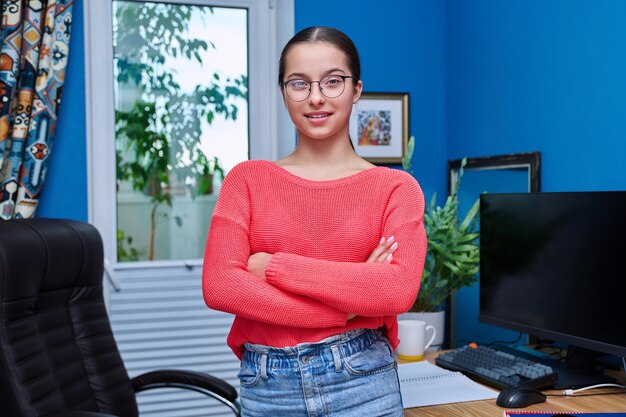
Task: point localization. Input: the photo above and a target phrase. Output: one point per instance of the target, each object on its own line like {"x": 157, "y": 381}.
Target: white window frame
{"x": 271, "y": 135}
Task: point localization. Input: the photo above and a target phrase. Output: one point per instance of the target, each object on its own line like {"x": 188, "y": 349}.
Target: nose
{"x": 315, "y": 95}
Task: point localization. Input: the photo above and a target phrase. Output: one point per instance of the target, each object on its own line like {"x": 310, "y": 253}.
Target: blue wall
{"x": 65, "y": 191}
{"x": 402, "y": 49}
{"x": 544, "y": 75}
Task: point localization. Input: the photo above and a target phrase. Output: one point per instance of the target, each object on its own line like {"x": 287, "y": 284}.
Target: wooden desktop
{"x": 488, "y": 408}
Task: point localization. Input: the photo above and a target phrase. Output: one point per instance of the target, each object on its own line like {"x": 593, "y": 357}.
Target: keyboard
{"x": 496, "y": 368}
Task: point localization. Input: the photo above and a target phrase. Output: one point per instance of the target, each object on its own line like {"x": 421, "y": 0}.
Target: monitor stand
{"x": 580, "y": 368}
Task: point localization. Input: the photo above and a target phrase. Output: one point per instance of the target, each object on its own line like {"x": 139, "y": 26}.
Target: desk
{"x": 488, "y": 408}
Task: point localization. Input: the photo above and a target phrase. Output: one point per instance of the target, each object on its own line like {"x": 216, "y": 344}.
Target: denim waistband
{"x": 347, "y": 343}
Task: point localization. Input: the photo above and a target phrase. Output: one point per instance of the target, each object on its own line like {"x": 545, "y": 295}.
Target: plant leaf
{"x": 470, "y": 216}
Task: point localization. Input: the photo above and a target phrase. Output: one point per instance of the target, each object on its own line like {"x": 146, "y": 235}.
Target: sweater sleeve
{"x": 228, "y": 286}
{"x": 365, "y": 289}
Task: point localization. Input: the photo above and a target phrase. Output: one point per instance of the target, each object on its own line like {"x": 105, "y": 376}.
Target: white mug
{"x": 412, "y": 334}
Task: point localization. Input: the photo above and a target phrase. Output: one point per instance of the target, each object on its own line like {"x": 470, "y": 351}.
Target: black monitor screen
{"x": 554, "y": 265}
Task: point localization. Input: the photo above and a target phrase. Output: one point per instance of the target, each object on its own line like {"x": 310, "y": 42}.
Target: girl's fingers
{"x": 393, "y": 247}
{"x": 384, "y": 251}
{"x": 378, "y": 251}
{"x": 388, "y": 255}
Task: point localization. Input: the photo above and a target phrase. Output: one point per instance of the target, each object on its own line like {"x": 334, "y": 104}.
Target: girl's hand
{"x": 383, "y": 253}
{"x": 257, "y": 263}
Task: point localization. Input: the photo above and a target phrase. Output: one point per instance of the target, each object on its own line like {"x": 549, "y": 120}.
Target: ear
{"x": 358, "y": 89}
{"x": 282, "y": 93}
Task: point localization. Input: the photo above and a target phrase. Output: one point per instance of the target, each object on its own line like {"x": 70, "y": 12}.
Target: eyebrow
{"x": 303, "y": 75}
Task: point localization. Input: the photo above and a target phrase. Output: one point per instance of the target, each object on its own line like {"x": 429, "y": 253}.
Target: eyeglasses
{"x": 331, "y": 86}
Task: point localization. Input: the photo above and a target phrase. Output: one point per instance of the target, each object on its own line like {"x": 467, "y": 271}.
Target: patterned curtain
{"x": 35, "y": 36}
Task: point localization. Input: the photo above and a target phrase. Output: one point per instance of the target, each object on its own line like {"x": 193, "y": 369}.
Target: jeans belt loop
{"x": 336, "y": 357}
{"x": 264, "y": 366}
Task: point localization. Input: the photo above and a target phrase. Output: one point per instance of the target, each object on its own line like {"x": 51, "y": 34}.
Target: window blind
{"x": 160, "y": 321}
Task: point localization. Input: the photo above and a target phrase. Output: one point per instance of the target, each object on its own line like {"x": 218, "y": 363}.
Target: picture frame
{"x": 379, "y": 127}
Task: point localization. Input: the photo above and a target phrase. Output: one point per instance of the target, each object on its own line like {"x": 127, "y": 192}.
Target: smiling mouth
{"x": 318, "y": 115}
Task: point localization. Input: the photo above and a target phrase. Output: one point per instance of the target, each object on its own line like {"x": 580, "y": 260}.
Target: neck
{"x": 335, "y": 152}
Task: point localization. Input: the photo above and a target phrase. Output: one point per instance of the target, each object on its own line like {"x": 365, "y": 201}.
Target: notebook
{"x": 515, "y": 413}
{"x": 422, "y": 384}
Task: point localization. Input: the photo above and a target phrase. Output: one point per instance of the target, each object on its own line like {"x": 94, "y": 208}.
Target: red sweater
{"x": 320, "y": 234}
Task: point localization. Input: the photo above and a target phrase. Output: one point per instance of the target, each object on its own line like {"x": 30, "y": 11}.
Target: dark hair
{"x": 324, "y": 34}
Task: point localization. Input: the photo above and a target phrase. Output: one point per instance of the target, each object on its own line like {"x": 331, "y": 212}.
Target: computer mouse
{"x": 519, "y": 396}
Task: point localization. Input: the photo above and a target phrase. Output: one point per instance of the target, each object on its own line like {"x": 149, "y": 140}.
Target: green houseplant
{"x": 452, "y": 259}
{"x": 205, "y": 170}
{"x": 149, "y": 171}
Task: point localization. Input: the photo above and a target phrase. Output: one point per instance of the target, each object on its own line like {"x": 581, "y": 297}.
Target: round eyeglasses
{"x": 331, "y": 86}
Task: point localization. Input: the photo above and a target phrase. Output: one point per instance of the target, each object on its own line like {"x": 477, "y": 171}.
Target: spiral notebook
{"x": 422, "y": 384}
{"x": 510, "y": 413}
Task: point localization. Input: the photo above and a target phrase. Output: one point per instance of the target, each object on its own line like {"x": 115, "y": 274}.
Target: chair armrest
{"x": 195, "y": 381}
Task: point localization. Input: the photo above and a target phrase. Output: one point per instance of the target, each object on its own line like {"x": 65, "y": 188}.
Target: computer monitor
{"x": 553, "y": 265}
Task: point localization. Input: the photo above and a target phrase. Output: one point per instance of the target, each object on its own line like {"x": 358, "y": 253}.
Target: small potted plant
{"x": 206, "y": 170}
{"x": 452, "y": 259}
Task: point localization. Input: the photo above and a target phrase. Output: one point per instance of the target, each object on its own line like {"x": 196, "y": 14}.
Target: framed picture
{"x": 379, "y": 127}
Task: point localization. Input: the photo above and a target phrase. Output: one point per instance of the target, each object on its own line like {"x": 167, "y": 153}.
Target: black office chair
{"x": 58, "y": 356}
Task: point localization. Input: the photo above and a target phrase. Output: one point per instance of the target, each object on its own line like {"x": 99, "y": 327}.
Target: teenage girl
{"x": 317, "y": 253}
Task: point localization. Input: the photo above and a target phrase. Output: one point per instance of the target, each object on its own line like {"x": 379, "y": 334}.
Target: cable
{"x": 504, "y": 342}
{"x": 588, "y": 395}
{"x": 555, "y": 352}
{"x": 575, "y": 391}
{"x": 495, "y": 342}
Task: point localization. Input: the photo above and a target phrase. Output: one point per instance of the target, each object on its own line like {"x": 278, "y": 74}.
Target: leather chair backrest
{"x": 57, "y": 351}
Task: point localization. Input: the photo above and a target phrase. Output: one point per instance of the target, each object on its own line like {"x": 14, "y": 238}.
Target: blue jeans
{"x": 350, "y": 374}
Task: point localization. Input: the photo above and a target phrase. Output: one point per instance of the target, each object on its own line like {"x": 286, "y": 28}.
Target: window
{"x": 181, "y": 121}
{"x": 269, "y": 24}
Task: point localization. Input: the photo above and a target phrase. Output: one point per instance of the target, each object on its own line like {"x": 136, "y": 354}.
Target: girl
{"x": 317, "y": 253}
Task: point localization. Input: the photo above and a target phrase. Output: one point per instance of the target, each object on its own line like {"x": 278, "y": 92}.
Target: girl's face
{"x": 319, "y": 117}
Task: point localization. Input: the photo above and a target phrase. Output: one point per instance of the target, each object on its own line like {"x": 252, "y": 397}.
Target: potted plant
{"x": 205, "y": 171}
{"x": 452, "y": 259}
